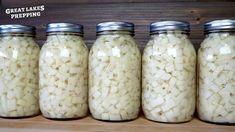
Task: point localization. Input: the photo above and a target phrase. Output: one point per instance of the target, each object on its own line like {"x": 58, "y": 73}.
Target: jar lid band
{"x": 219, "y": 25}
{"x": 16, "y": 28}
{"x": 115, "y": 26}
{"x": 64, "y": 27}
{"x": 168, "y": 26}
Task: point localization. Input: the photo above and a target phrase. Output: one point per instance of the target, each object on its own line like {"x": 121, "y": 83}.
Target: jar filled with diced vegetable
{"x": 216, "y": 58}
{"x": 63, "y": 72}
{"x": 114, "y": 73}
{"x": 168, "y": 73}
{"x": 18, "y": 71}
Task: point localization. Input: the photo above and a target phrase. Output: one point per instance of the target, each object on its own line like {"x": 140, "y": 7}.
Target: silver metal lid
{"x": 115, "y": 26}
{"x": 226, "y": 24}
{"x": 64, "y": 27}
{"x": 16, "y": 28}
{"x": 169, "y": 25}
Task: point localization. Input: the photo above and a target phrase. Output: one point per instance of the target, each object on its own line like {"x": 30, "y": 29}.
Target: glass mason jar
{"x": 168, "y": 73}
{"x": 216, "y": 58}
{"x": 114, "y": 73}
{"x": 63, "y": 80}
{"x": 18, "y": 71}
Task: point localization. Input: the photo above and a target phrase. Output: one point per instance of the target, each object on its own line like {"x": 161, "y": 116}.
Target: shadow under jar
{"x": 18, "y": 71}
{"x": 114, "y": 73}
{"x": 216, "y": 61}
{"x": 63, "y": 72}
{"x": 168, "y": 73}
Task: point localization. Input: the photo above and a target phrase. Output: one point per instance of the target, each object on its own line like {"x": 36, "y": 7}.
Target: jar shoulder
{"x": 59, "y": 44}
{"x": 18, "y": 42}
{"x": 159, "y": 47}
{"x": 109, "y": 44}
{"x": 18, "y": 47}
{"x": 217, "y": 45}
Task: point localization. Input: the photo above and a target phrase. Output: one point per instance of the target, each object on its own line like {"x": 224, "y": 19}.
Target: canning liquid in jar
{"x": 18, "y": 71}
{"x": 216, "y": 58}
{"x": 168, "y": 73}
{"x": 63, "y": 72}
{"x": 114, "y": 73}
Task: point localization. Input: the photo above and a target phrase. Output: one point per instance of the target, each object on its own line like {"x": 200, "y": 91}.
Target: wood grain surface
{"x": 88, "y": 124}
{"x": 89, "y": 13}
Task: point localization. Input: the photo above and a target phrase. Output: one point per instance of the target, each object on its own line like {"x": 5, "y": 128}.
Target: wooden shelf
{"x": 88, "y": 124}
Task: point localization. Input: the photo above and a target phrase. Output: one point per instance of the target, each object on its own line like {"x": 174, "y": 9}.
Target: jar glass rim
{"x": 169, "y": 26}
{"x": 64, "y": 27}
{"x": 17, "y": 28}
{"x": 224, "y": 25}
{"x": 115, "y": 32}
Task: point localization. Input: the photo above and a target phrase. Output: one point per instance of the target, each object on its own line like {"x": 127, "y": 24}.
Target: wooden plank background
{"x": 140, "y": 12}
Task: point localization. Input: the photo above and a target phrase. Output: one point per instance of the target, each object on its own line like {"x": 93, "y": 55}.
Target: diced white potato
{"x": 168, "y": 78}
{"x": 216, "y": 94}
{"x": 18, "y": 76}
{"x": 114, "y": 78}
{"x": 63, "y": 79}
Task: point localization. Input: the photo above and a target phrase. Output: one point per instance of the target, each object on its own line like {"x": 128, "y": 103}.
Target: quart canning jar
{"x": 63, "y": 71}
{"x": 18, "y": 71}
{"x": 114, "y": 73}
{"x": 216, "y": 58}
{"x": 168, "y": 73}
